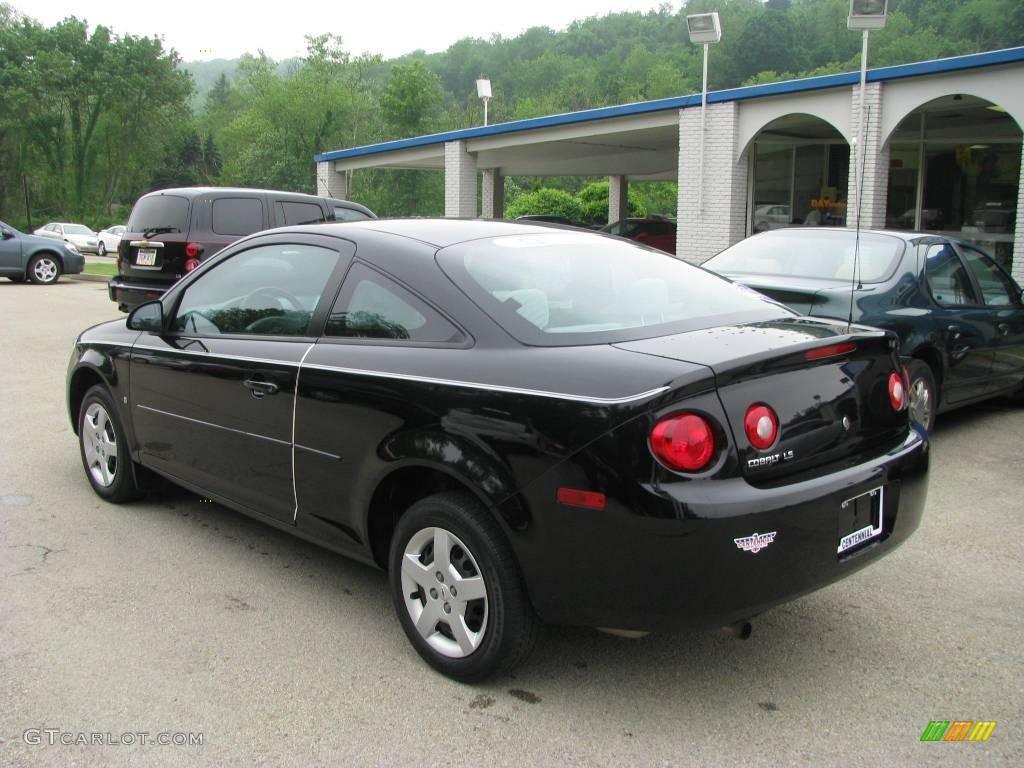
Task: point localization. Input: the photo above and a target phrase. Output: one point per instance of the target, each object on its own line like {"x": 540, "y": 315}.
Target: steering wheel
{"x": 274, "y": 293}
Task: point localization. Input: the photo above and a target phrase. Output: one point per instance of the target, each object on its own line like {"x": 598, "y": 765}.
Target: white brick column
{"x": 459, "y": 181}
{"x": 492, "y": 196}
{"x": 723, "y": 221}
{"x": 875, "y": 161}
{"x": 331, "y": 183}
{"x": 618, "y": 199}
{"x": 1017, "y": 267}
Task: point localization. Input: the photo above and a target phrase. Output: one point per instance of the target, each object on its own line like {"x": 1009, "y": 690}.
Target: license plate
{"x": 146, "y": 257}
{"x": 860, "y": 519}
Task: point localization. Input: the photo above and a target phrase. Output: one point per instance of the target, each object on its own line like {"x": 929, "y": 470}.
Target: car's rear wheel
{"x": 924, "y": 394}
{"x": 44, "y": 269}
{"x": 105, "y": 455}
{"x": 101, "y": 249}
{"x": 458, "y": 590}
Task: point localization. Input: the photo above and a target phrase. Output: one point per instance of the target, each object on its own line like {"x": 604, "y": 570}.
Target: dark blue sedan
{"x": 37, "y": 259}
{"x": 958, "y": 314}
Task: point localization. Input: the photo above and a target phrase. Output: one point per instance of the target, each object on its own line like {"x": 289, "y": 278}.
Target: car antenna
{"x": 855, "y": 281}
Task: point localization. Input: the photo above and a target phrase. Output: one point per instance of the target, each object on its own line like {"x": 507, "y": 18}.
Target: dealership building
{"x": 942, "y": 153}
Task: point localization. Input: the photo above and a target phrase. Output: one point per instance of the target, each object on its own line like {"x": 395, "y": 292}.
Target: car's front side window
{"x": 270, "y": 290}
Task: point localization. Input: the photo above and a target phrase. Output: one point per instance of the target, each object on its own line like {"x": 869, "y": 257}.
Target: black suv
{"x": 171, "y": 231}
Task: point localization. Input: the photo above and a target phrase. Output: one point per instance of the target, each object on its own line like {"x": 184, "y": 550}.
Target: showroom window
{"x": 800, "y": 167}
{"x": 954, "y": 169}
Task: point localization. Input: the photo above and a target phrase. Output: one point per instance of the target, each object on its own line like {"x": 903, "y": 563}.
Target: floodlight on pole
{"x": 864, "y": 15}
{"x": 704, "y": 29}
{"x": 483, "y": 91}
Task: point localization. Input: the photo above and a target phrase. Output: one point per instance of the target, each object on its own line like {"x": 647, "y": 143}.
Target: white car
{"x": 79, "y": 235}
{"x": 109, "y": 239}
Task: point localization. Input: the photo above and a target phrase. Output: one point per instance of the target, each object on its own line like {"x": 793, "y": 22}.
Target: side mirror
{"x": 147, "y": 317}
{"x": 6, "y": 233}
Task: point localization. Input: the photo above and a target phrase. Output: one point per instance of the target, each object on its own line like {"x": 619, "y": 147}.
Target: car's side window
{"x": 348, "y": 214}
{"x": 271, "y": 290}
{"x": 372, "y": 306}
{"x": 997, "y": 288}
{"x": 237, "y": 215}
{"x": 289, "y": 213}
{"x": 947, "y": 277}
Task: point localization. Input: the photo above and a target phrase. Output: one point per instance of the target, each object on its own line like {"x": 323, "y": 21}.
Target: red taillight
{"x": 897, "y": 392}
{"x": 191, "y": 264}
{"x": 761, "y": 425}
{"x": 192, "y": 250}
{"x": 833, "y": 350}
{"x": 577, "y": 498}
{"x": 683, "y": 442}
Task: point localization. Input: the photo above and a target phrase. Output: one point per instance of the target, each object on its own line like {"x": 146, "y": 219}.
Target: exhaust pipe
{"x": 740, "y": 630}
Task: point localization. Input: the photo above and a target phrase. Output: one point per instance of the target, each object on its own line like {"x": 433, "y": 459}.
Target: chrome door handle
{"x": 1004, "y": 329}
{"x": 260, "y": 389}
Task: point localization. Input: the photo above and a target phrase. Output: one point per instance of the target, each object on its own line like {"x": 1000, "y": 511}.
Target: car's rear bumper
{"x": 129, "y": 294}
{"x": 621, "y": 569}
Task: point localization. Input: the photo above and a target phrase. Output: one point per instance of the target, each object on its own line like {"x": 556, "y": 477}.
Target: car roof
{"x": 440, "y": 233}
{"x": 199, "y": 191}
{"x": 900, "y": 233}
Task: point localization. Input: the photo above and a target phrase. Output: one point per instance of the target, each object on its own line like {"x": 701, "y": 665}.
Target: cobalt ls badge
{"x": 755, "y": 543}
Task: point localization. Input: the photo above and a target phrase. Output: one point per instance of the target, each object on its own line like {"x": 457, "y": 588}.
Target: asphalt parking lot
{"x": 175, "y": 615}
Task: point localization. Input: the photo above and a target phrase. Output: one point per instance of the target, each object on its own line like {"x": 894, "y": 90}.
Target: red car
{"x": 657, "y": 233}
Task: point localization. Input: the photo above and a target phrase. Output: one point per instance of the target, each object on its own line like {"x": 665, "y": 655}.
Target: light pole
{"x": 704, "y": 28}
{"x": 483, "y": 91}
{"x": 864, "y": 15}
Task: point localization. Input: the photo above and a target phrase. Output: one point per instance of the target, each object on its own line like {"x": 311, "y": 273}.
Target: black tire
{"x": 924, "y": 394}
{"x": 101, "y": 248}
{"x": 104, "y": 450}
{"x": 502, "y": 623}
{"x": 44, "y": 269}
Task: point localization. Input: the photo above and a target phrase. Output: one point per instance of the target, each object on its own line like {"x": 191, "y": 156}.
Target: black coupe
{"x": 958, "y": 314}
{"x": 517, "y": 423}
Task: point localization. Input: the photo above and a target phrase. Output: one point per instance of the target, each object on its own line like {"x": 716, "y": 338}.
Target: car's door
{"x": 213, "y": 396}
{"x": 1002, "y": 298}
{"x": 961, "y": 324}
{"x": 10, "y": 251}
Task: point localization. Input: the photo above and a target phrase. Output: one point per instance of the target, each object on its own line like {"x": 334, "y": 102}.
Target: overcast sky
{"x": 210, "y": 29}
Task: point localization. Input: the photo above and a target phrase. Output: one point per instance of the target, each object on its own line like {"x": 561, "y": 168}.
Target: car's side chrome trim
{"x": 492, "y": 387}
{"x": 222, "y": 355}
{"x": 423, "y": 379}
{"x": 329, "y": 455}
{"x": 211, "y": 424}
{"x": 295, "y": 407}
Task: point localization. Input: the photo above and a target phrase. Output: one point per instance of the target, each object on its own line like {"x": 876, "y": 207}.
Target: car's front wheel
{"x": 924, "y": 394}
{"x": 458, "y": 590}
{"x": 44, "y": 269}
{"x": 105, "y": 456}
{"x": 101, "y": 249}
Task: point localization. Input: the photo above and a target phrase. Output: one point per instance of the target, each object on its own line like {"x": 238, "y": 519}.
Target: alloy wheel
{"x": 921, "y": 402}
{"x": 444, "y": 592}
{"x": 45, "y": 270}
{"x": 99, "y": 443}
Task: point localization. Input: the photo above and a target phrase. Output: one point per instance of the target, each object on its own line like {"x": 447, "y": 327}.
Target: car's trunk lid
{"x": 828, "y": 387}
{"x": 798, "y": 293}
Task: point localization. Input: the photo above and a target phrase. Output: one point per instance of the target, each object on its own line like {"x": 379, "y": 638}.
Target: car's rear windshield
{"x": 578, "y": 288}
{"x": 77, "y": 229}
{"x": 159, "y": 212}
{"x": 816, "y": 254}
